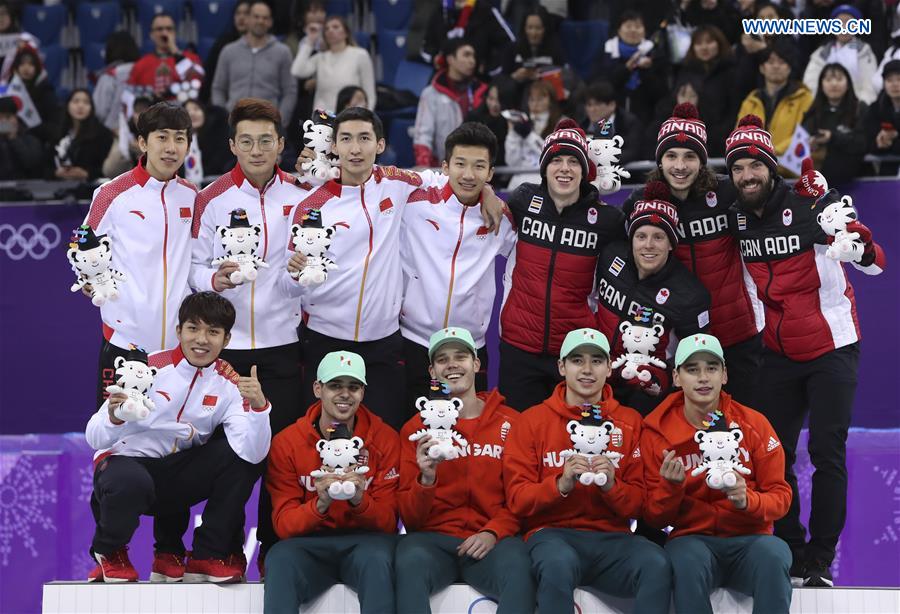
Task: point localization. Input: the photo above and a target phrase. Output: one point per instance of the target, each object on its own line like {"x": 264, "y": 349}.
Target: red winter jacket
{"x": 468, "y": 495}
{"x": 532, "y": 464}
{"x": 551, "y": 272}
{"x": 293, "y": 456}
{"x": 709, "y": 250}
{"x": 692, "y": 507}
{"x": 809, "y": 303}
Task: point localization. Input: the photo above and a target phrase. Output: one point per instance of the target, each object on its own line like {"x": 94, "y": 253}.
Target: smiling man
{"x": 147, "y": 214}
{"x": 719, "y": 537}
{"x": 579, "y": 534}
{"x": 811, "y": 336}
{"x": 706, "y": 245}
{"x": 458, "y": 525}
{"x": 645, "y": 295}
{"x": 449, "y": 256}
{"x": 562, "y": 227}
{"x": 265, "y": 331}
{"x": 170, "y": 460}
{"x": 324, "y": 540}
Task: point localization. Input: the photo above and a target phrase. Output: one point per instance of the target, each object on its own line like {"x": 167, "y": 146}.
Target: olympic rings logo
{"x": 29, "y": 240}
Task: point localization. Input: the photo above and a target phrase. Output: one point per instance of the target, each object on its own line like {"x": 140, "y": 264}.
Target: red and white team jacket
{"x": 448, "y": 257}
{"x": 360, "y": 300}
{"x": 149, "y": 223}
{"x": 190, "y": 404}
{"x": 266, "y": 317}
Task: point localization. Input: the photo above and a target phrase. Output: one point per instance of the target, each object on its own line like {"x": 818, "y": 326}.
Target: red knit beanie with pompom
{"x": 750, "y": 140}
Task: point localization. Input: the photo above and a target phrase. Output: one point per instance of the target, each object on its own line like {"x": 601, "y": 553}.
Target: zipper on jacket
{"x": 781, "y": 315}
{"x": 362, "y": 285}
{"x": 459, "y": 239}
{"x": 191, "y": 387}
{"x": 162, "y": 197}
{"x": 552, "y": 265}
{"x": 262, "y": 209}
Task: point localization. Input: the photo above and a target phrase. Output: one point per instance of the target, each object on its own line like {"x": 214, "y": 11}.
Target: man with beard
{"x": 707, "y": 247}
{"x": 811, "y": 335}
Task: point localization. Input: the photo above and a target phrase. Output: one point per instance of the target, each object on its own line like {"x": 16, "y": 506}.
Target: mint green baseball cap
{"x": 584, "y": 336}
{"x": 337, "y": 364}
{"x": 447, "y": 335}
{"x": 695, "y": 344}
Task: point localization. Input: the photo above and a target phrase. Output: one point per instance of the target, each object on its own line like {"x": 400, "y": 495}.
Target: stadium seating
{"x": 343, "y": 8}
{"x": 213, "y": 17}
{"x": 56, "y": 60}
{"x": 401, "y": 141}
{"x": 392, "y": 49}
{"x": 363, "y": 39}
{"x": 412, "y": 76}
{"x": 97, "y": 20}
{"x": 392, "y": 14}
{"x": 148, "y": 9}
{"x": 93, "y": 56}
{"x": 204, "y": 46}
{"x": 45, "y": 22}
{"x": 582, "y": 43}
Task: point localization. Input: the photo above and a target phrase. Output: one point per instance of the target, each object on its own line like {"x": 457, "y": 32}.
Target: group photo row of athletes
{"x": 329, "y": 337}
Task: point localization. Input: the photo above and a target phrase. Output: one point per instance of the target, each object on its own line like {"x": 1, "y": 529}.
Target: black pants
{"x": 526, "y": 379}
{"x": 825, "y": 388}
{"x": 279, "y": 370}
{"x": 418, "y": 378}
{"x": 127, "y": 487}
{"x": 744, "y": 361}
{"x": 385, "y": 371}
{"x": 106, "y": 371}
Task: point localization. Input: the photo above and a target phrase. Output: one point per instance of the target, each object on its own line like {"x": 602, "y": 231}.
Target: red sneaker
{"x": 167, "y": 567}
{"x": 240, "y": 562}
{"x": 96, "y": 575}
{"x": 115, "y": 567}
{"x": 218, "y": 571}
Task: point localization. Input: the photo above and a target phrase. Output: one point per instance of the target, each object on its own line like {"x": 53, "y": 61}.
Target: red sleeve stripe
{"x": 160, "y": 359}
{"x": 107, "y": 195}
{"x": 187, "y": 184}
{"x": 216, "y": 188}
{"x": 431, "y": 195}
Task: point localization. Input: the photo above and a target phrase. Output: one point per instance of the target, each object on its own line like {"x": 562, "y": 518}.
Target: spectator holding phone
{"x": 833, "y": 122}
{"x": 883, "y": 119}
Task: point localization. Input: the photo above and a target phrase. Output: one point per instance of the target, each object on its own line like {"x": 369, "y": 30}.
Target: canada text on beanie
{"x": 750, "y": 140}
{"x": 655, "y": 209}
{"x": 683, "y": 129}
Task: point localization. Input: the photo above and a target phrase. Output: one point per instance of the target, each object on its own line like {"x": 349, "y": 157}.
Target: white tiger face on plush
{"x": 91, "y": 262}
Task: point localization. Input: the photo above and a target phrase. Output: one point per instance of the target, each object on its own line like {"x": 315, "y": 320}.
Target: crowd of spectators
{"x": 506, "y": 64}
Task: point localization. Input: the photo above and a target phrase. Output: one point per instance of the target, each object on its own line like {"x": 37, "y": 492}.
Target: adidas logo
{"x": 391, "y": 474}
{"x": 636, "y": 453}
{"x": 773, "y": 443}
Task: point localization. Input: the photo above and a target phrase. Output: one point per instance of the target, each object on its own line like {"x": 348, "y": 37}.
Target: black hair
{"x": 346, "y": 95}
{"x": 120, "y": 47}
{"x": 211, "y": 308}
{"x": 164, "y": 116}
{"x": 848, "y": 105}
{"x": 783, "y": 50}
{"x": 360, "y": 114}
{"x": 453, "y": 45}
{"x": 474, "y": 134}
{"x": 601, "y": 91}
{"x": 89, "y": 127}
{"x": 630, "y": 15}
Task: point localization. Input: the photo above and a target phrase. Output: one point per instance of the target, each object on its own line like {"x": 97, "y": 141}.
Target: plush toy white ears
{"x": 321, "y": 443}
{"x": 457, "y": 403}
{"x": 421, "y": 402}
{"x": 119, "y": 361}
{"x": 572, "y": 426}
{"x": 698, "y": 436}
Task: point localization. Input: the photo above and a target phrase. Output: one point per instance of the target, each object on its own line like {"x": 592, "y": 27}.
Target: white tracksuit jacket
{"x": 149, "y": 224}
{"x": 360, "y": 300}
{"x": 190, "y": 404}
{"x": 266, "y": 316}
{"x": 448, "y": 258}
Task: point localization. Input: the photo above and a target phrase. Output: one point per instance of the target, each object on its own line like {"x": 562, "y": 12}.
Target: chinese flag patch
{"x": 385, "y": 205}
{"x": 210, "y": 400}
{"x": 286, "y": 209}
{"x": 185, "y": 212}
